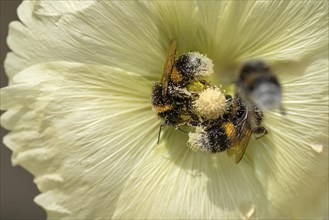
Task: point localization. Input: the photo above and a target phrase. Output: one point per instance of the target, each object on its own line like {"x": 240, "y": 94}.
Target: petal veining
{"x": 176, "y": 183}
{"x": 290, "y": 169}
{"x": 81, "y": 130}
{"x": 233, "y": 31}
{"x": 134, "y": 35}
{"x": 130, "y": 35}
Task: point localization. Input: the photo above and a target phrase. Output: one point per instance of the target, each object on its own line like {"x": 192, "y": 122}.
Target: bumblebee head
{"x": 193, "y": 66}
{"x": 251, "y": 67}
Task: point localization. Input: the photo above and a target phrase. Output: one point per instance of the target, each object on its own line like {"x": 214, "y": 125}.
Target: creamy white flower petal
{"x": 135, "y": 35}
{"x": 175, "y": 183}
{"x": 60, "y": 130}
{"x": 293, "y": 174}
{"x": 175, "y": 20}
{"x": 80, "y": 130}
{"x": 109, "y": 33}
{"x": 126, "y": 34}
{"x": 60, "y": 7}
{"x": 233, "y": 31}
{"x": 30, "y": 12}
{"x": 37, "y": 18}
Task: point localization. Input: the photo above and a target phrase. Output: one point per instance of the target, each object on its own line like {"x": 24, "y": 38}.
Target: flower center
{"x": 211, "y": 103}
{"x": 185, "y": 96}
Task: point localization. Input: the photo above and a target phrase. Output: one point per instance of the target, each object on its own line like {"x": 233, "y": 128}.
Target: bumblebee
{"x": 258, "y": 85}
{"x": 231, "y": 132}
{"x": 173, "y": 110}
{"x": 181, "y": 81}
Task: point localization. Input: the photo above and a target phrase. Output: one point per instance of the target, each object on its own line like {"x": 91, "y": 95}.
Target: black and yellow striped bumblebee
{"x": 180, "y": 83}
{"x": 258, "y": 85}
{"x": 231, "y": 132}
{"x": 257, "y": 89}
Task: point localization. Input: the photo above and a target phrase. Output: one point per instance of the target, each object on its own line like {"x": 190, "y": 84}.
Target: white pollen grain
{"x": 205, "y": 68}
{"x": 196, "y": 140}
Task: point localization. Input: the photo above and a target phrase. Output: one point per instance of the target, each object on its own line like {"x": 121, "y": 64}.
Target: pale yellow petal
{"x": 291, "y": 162}
{"x": 80, "y": 130}
{"x": 52, "y": 9}
{"x": 175, "y": 20}
{"x": 130, "y": 35}
{"x": 135, "y": 35}
{"x": 233, "y": 31}
{"x": 175, "y": 183}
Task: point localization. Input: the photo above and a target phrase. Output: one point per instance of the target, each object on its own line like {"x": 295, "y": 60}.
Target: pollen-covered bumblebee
{"x": 181, "y": 81}
{"x": 258, "y": 85}
{"x": 257, "y": 89}
{"x": 231, "y": 132}
{"x": 184, "y": 96}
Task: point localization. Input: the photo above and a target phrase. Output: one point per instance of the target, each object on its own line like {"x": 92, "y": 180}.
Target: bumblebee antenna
{"x": 159, "y": 133}
{"x": 161, "y": 130}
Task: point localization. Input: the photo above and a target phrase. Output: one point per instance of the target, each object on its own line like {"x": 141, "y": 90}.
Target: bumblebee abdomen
{"x": 157, "y": 99}
{"x": 259, "y": 85}
{"x": 217, "y": 139}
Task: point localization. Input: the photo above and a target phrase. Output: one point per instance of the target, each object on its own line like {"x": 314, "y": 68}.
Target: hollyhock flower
{"x": 78, "y": 107}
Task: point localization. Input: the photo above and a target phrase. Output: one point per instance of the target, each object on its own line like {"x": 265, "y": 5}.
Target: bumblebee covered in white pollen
{"x": 257, "y": 89}
{"x": 182, "y": 81}
{"x": 231, "y": 132}
{"x": 219, "y": 122}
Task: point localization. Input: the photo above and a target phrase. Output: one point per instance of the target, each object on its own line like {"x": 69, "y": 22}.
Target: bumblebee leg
{"x": 179, "y": 93}
{"x": 195, "y": 120}
{"x": 160, "y": 133}
{"x": 259, "y": 131}
{"x": 194, "y": 123}
{"x": 189, "y": 110}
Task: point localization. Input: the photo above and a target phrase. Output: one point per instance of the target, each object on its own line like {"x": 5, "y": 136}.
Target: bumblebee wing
{"x": 239, "y": 147}
{"x": 240, "y": 138}
{"x": 168, "y": 66}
